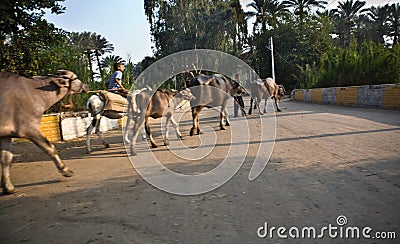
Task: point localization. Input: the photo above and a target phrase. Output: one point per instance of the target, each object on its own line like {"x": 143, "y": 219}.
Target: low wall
{"x": 75, "y": 125}
{"x": 377, "y": 96}
{"x": 67, "y": 126}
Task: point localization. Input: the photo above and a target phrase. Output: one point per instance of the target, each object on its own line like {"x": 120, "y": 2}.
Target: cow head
{"x": 281, "y": 90}
{"x": 187, "y": 94}
{"x": 67, "y": 79}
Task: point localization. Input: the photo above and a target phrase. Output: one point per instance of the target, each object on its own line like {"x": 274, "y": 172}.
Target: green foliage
{"x": 182, "y": 25}
{"x": 371, "y": 63}
{"x": 17, "y": 16}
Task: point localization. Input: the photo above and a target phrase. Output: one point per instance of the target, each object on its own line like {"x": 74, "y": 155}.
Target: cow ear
{"x": 61, "y": 82}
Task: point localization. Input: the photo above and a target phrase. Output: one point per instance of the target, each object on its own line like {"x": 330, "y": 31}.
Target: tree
{"x": 182, "y": 25}
{"x": 110, "y": 60}
{"x": 24, "y": 35}
{"x": 267, "y": 12}
{"x": 93, "y": 46}
{"x": 344, "y": 17}
{"x": 301, "y": 7}
{"x": 377, "y": 23}
{"x": 17, "y": 16}
{"x": 394, "y": 22}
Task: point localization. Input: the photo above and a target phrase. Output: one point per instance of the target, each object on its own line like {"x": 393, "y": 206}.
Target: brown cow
{"x": 264, "y": 89}
{"x": 160, "y": 103}
{"x": 22, "y": 103}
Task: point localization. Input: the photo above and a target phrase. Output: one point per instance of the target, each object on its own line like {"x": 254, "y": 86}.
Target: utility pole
{"x": 272, "y": 60}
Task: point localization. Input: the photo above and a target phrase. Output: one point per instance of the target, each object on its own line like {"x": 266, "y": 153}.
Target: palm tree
{"x": 301, "y": 7}
{"x": 345, "y": 17}
{"x": 276, "y": 10}
{"x": 91, "y": 44}
{"x": 394, "y": 22}
{"x": 266, "y": 12}
{"x": 378, "y": 25}
{"x": 110, "y": 60}
{"x": 101, "y": 46}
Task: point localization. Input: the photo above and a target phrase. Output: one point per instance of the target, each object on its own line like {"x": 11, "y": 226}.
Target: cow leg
{"x": 221, "y": 121}
{"x": 50, "y": 150}
{"x": 168, "y": 118}
{"x": 241, "y": 105}
{"x": 195, "y": 116}
{"x": 100, "y": 134}
{"x": 135, "y": 119}
{"x": 265, "y": 105}
{"x": 128, "y": 123}
{"x": 6, "y": 160}
{"x": 257, "y": 103}
{"x": 226, "y": 114}
{"x": 129, "y": 117}
{"x": 95, "y": 124}
{"x": 276, "y": 104}
{"x": 251, "y": 106}
{"x": 224, "y": 118}
{"x": 143, "y": 133}
{"x": 88, "y": 132}
{"x": 176, "y": 126}
{"x": 136, "y": 128}
{"x": 148, "y": 131}
{"x": 198, "y": 123}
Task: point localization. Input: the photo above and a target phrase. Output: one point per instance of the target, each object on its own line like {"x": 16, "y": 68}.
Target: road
{"x": 328, "y": 164}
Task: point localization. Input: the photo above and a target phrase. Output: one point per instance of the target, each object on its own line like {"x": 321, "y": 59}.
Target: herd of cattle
{"x": 23, "y": 102}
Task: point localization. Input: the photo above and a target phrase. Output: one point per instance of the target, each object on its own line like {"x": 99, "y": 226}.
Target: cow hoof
{"x": 192, "y": 131}
{"x": 9, "y": 191}
{"x": 279, "y": 110}
{"x": 223, "y": 128}
{"x": 8, "y": 188}
{"x": 133, "y": 153}
{"x": 154, "y": 146}
{"x": 107, "y": 145}
{"x": 88, "y": 152}
{"x": 67, "y": 172}
{"x": 166, "y": 143}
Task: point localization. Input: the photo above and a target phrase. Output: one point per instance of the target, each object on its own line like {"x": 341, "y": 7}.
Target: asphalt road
{"x": 335, "y": 170}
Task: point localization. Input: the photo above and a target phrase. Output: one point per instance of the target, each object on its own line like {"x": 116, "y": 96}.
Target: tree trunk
{"x": 98, "y": 63}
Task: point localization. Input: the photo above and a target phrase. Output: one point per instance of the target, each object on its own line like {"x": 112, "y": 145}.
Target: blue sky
{"x": 123, "y": 22}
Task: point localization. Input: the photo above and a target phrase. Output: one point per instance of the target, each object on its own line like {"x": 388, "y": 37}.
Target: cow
{"x": 22, "y": 104}
{"x": 211, "y": 91}
{"x": 96, "y": 106}
{"x": 156, "y": 105}
{"x": 264, "y": 89}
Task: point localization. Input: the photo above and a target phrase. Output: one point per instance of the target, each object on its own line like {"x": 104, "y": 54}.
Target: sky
{"x": 124, "y": 24}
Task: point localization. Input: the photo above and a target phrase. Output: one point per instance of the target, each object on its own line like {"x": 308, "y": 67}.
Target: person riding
{"x": 114, "y": 84}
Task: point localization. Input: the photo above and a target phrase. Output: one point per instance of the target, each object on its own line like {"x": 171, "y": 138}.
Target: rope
{"x": 186, "y": 101}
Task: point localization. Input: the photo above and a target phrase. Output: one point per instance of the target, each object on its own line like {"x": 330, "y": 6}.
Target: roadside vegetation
{"x": 316, "y": 44}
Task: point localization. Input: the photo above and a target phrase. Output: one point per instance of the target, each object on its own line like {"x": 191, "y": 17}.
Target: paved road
{"x": 327, "y": 161}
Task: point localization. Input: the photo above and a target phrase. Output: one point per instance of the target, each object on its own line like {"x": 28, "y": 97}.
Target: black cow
{"x": 211, "y": 91}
